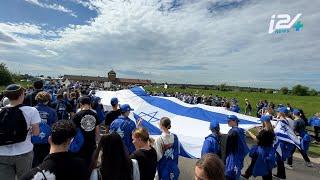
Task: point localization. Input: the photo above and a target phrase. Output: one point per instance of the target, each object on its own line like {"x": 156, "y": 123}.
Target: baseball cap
{"x": 85, "y": 100}
{"x": 13, "y": 88}
{"x": 283, "y": 110}
{"x": 125, "y": 108}
{"x": 296, "y": 112}
{"x": 214, "y": 124}
{"x": 265, "y": 118}
{"x": 114, "y": 101}
{"x": 232, "y": 118}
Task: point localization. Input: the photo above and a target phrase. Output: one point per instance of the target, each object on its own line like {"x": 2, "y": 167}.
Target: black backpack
{"x": 61, "y": 110}
{"x": 13, "y": 126}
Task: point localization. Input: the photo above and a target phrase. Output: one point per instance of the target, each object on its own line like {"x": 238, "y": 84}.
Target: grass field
{"x": 309, "y": 104}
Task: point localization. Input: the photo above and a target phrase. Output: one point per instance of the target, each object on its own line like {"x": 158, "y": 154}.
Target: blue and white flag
{"x": 283, "y": 132}
{"x": 189, "y": 122}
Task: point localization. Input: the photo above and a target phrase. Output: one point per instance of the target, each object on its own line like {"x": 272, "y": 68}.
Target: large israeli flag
{"x": 189, "y": 122}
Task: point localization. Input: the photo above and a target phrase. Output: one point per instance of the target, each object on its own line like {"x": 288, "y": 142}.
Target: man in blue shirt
{"x": 124, "y": 126}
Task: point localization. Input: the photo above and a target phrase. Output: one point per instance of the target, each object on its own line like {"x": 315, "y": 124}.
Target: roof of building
{"x": 105, "y": 79}
{"x": 88, "y": 78}
{"x": 111, "y": 72}
{"x": 133, "y": 81}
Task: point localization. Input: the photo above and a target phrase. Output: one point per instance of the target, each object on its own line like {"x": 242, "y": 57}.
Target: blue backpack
{"x": 77, "y": 142}
{"x": 45, "y": 132}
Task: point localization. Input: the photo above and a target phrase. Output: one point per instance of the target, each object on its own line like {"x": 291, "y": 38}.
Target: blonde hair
{"x": 43, "y": 97}
{"x": 141, "y": 133}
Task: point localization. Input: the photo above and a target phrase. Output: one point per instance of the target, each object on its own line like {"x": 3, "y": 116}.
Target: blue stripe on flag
{"x": 151, "y": 128}
{"x": 287, "y": 138}
{"x": 156, "y": 131}
{"x": 191, "y": 112}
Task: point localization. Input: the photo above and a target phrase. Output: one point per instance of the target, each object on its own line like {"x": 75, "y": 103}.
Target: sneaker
{"x": 277, "y": 177}
{"x": 315, "y": 142}
{"x": 288, "y": 166}
{"x": 309, "y": 164}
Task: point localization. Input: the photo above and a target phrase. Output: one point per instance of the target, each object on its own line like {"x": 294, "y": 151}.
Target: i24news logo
{"x": 284, "y": 23}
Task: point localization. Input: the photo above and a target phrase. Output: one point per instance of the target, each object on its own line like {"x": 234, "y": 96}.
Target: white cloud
{"x": 88, "y": 4}
{"x": 233, "y": 45}
{"x": 22, "y": 28}
{"x": 53, "y": 6}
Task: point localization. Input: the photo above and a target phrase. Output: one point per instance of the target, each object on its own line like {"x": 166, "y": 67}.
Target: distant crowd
{"x": 52, "y": 131}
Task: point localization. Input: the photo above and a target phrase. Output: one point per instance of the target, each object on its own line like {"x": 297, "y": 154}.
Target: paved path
{"x": 300, "y": 171}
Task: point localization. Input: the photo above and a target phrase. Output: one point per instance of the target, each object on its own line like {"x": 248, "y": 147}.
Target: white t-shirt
{"x": 32, "y": 116}
{"x": 162, "y": 140}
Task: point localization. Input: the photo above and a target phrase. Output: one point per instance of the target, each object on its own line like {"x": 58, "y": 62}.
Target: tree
{"x": 222, "y": 87}
{"x": 313, "y": 92}
{"x": 183, "y": 86}
{"x": 284, "y": 90}
{"x": 300, "y": 90}
{"x": 5, "y": 75}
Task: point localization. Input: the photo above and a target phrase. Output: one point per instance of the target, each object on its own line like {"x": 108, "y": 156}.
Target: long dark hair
{"x": 115, "y": 162}
{"x": 232, "y": 143}
{"x": 303, "y": 117}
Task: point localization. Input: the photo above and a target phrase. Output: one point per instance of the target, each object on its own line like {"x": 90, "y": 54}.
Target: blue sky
{"x": 177, "y": 41}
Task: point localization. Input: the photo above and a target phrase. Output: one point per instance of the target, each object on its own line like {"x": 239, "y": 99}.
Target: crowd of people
{"x": 200, "y": 99}
{"x": 51, "y": 133}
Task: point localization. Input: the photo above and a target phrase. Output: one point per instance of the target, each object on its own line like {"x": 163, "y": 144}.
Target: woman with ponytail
{"x": 167, "y": 147}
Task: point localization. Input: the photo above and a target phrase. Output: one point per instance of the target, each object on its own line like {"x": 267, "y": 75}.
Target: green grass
{"x": 314, "y": 150}
{"x": 309, "y": 104}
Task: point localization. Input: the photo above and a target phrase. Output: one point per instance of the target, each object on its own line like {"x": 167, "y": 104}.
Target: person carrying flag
{"x": 286, "y": 141}
{"x": 300, "y": 130}
{"x": 167, "y": 146}
{"x": 263, "y": 155}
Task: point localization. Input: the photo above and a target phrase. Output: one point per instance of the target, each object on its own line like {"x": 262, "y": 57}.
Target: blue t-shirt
{"x": 265, "y": 160}
{"x": 47, "y": 114}
{"x": 124, "y": 127}
{"x": 48, "y": 117}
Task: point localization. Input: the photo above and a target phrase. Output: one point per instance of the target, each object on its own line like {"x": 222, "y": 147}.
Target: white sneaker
{"x": 309, "y": 164}
{"x": 275, "y": 176}
{"x": 288, "y": 166}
